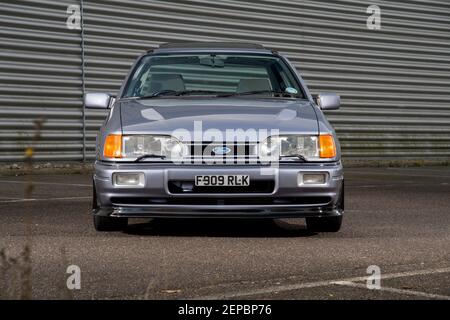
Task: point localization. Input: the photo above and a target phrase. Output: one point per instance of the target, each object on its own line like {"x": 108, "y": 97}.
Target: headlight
{"x": 167, "y": 146}
{"x": 133, "y": 146}
{"x": 310, "y": 147}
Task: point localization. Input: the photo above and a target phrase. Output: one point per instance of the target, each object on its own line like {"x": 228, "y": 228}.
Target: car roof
{"x": 210, "y": 46}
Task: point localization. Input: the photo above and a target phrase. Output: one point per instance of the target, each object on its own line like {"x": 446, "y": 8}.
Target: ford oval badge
{"x": 221, "y": 150}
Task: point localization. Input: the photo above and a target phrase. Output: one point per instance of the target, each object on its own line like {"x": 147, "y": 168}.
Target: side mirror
{"x": 97, "y": 100}
{"x": 328, "y": 101}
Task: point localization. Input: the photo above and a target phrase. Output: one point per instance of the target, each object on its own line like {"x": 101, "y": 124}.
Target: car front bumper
{"x": 286, "y": 199}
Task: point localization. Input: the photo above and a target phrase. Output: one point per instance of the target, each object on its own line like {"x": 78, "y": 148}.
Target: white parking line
{"x": 44, "y": 199}
{"x": 398, "y": 185}
{"x": 398, "y": 174}
{"x": 47, "y": 183}
{"x": 374, "y": 186}
{"x": 420, "y": 169}
{"x": 297, "y": 286}
{"x": 394, "y": 290}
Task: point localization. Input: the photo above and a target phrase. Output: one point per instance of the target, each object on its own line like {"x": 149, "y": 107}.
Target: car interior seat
{"x": 254, "y": 84}
{"x": 163, "y": 81}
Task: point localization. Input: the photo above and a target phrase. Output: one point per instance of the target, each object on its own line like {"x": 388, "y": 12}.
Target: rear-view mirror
{"x": 97, "y": 100}
{"x": 328, "y": 101}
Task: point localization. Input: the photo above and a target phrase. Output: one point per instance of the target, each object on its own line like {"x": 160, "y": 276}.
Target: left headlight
{"x": 310, "y": 147}
{"x": 133, "y": 146}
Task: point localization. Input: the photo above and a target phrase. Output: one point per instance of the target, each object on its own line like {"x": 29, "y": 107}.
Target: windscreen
{"x": 206, "y": 74}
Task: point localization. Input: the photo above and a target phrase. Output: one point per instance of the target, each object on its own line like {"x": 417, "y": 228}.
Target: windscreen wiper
{"x": 176, "y": 93}
{"x": 297, "y": 157}
{"x": 274, "y": 92}
{"x": 157, "y": 94}
{"x": 150, "y": 155}
{"x": 187, "y": 92}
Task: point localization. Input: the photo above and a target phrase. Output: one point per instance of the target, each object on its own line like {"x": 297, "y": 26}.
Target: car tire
{"x": 328, "y": 224}
{"x": 110, "y": 223}
{"x": 324, "y": 224}
{"x": 102, "y": 223}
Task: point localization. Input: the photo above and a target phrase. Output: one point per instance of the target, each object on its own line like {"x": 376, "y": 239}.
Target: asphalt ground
{"x": 395, "y": 218}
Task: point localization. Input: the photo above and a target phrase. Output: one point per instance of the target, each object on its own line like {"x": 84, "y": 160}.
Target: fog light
{"x": 128, "y": 179}
{"x": 314, "y": 178}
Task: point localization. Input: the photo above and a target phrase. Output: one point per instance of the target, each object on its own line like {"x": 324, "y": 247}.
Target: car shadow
{"x": 264, "y": 228}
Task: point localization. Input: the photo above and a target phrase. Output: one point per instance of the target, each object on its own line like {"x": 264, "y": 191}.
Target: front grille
{"x": 312, "y": 201}
{"x": 256, "y": 186}
{"x": 240, "y": 152}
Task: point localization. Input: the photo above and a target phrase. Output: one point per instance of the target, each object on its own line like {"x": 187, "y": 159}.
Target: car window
{"x": 210, "y": 73}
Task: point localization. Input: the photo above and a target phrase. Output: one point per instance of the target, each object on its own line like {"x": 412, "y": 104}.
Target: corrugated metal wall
{"x": 40, "y": 77}
{"x": 394, "y": 82}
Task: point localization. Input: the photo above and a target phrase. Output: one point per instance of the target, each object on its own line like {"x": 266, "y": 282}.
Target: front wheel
{"x": 324, "y": 224}
{"x": 328, "y": 224}
{"x": 106, "y": 223}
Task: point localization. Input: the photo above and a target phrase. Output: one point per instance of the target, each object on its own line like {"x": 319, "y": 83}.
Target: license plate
{"x": 222, "y": 180}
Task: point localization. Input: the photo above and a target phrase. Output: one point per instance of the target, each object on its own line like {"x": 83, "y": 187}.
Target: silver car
{"x": 216, "y": 130}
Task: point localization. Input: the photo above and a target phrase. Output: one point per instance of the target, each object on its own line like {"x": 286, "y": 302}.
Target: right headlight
{"x": 310, "y": 147}
{"x": 166, "y": 146}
